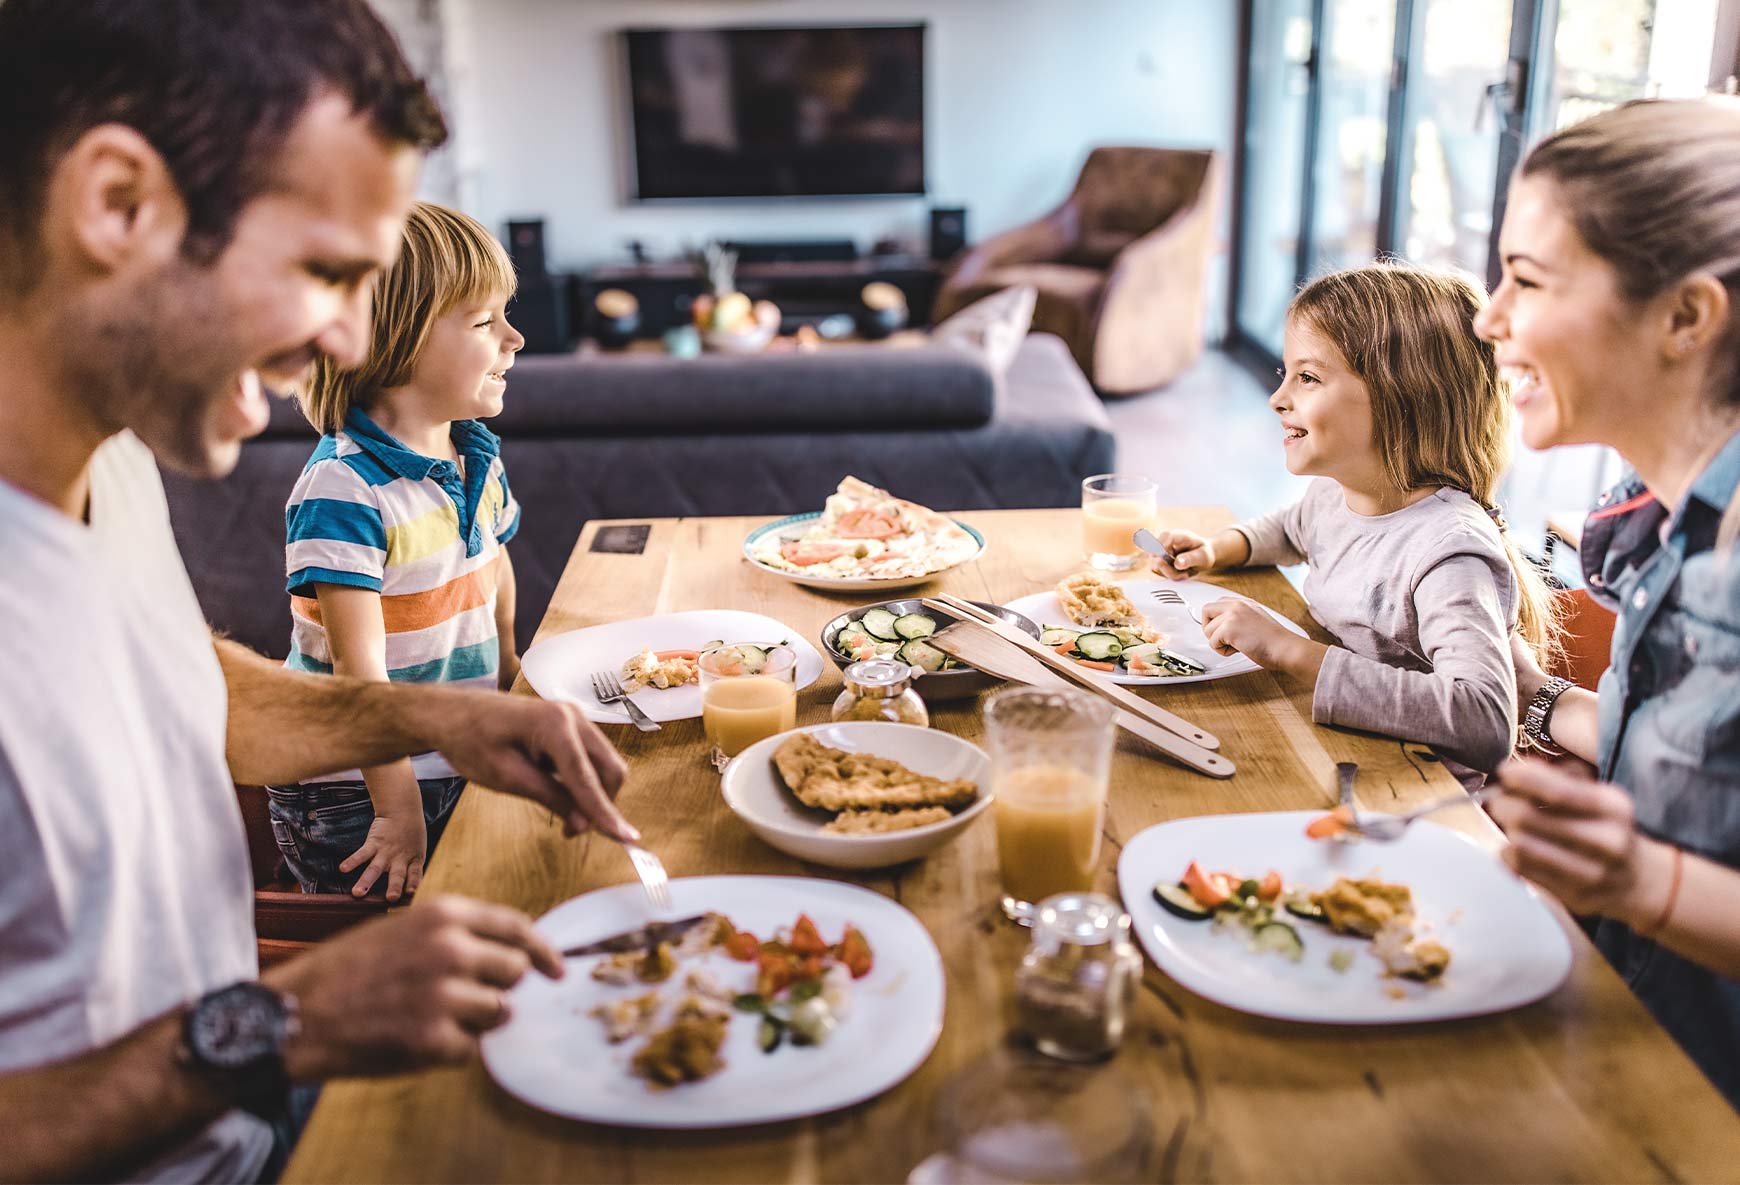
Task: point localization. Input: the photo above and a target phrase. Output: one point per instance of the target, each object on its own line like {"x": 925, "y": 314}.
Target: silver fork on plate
{"x": 653, "y": 878}
{"x": 1386, "y": 828}
{"x": 609, "y": 691}
{"x": 1168, "y": 596}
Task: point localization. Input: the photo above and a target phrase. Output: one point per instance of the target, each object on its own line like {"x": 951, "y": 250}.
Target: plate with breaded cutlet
{"x": 859, "y": 794}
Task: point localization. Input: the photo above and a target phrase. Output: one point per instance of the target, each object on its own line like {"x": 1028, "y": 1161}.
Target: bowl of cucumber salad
{"x": 897, "y": 630}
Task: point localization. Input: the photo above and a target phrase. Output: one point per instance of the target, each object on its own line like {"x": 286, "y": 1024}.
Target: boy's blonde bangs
{"x": 447, "y": 260}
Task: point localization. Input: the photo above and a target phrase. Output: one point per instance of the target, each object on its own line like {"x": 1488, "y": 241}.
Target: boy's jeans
{"x": 318, "y": 825}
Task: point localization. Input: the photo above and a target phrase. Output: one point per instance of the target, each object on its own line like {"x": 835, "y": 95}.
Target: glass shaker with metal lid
{"x": 1077, "y": 980}
{"x": 881, "y": 689}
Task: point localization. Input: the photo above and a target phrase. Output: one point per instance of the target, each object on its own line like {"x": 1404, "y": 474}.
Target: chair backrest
{"x": 1125, "y": 192}
{"x": 1587, "y": 639}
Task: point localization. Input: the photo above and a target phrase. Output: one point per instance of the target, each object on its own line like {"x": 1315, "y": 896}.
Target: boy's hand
{"x": 397, "y": 847}
{"x": 1187, "y": 554}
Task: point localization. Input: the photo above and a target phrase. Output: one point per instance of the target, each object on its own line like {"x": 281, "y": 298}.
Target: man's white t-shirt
{"x": 124, "y": 882}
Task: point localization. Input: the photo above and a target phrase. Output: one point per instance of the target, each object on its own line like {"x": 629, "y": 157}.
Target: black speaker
{"x": 539, "y": 310}
{"x": 948, "y": 232}
{"x": 525, "y": 244}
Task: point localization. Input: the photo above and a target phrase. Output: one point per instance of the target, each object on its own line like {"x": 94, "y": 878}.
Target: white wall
{"x": 1016, "y": 92}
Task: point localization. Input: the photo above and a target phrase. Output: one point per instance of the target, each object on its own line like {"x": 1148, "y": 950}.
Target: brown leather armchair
{"x": 1120, "y": 266}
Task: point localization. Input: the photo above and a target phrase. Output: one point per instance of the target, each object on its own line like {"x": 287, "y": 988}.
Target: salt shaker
{"x": 880, "y": 689}
{"x": 1076, "y": 982}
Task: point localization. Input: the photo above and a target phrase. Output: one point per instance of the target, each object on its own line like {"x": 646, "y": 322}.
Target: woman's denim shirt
{"x": 1670, "y": 722}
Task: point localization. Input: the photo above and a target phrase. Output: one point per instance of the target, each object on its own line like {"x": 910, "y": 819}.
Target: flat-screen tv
{"x": 776, "y": 112}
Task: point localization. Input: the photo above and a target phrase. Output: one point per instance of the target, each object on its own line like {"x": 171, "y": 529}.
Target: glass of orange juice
{"x": 1051, "y": 760}
{"x": 748, "y": 693}
{"x": 1114, "y": 506}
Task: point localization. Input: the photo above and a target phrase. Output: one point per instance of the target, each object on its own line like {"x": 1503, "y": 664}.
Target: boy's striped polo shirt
{"x": 424, "y": 534}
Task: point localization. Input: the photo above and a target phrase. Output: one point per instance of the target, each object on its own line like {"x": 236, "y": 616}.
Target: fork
{"x": 653, "y": 878}
{"x": 609, "y": 691}
{"x": 1169, "y": 596}
{"x": 1386, "y": 828}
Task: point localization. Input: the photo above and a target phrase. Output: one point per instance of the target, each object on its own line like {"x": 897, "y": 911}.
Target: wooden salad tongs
{"x": 999, "y": 649}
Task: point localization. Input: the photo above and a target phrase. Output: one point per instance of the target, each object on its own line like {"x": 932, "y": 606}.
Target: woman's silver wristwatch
{"x": 1535, "y": 715}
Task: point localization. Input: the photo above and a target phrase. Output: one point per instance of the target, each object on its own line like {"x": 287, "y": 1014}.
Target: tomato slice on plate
{"x": 866, "y": 524}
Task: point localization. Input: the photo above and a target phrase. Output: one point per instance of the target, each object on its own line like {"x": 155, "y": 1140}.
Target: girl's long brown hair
{"x": 1440, "y": 412}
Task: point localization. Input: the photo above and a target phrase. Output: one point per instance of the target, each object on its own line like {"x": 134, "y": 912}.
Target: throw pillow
{"x": 993, "y": 327}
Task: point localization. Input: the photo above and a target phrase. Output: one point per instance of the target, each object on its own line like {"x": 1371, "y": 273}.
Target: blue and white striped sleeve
{"x": 333, "y": 531}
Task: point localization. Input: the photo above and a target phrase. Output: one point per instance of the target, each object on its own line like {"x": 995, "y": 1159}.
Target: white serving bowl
{"x": 755, "y": 793}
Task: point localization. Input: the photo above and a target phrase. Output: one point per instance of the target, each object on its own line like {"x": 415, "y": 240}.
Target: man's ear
{"x": 114, "y": 200}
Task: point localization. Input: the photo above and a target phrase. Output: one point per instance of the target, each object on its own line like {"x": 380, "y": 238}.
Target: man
{"x": 195, "y": 196}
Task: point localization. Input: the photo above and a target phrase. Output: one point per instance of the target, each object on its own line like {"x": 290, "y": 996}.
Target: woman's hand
{"x": 396, "y": 847}
{"x": 1577, "y": 838}
{"x": 1187, "y": 554}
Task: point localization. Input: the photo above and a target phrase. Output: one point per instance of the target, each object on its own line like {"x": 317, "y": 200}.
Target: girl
{"x": 1391, "y": 399}
{"x": 1617, "y": 315}
{"x": 396, "y": 532}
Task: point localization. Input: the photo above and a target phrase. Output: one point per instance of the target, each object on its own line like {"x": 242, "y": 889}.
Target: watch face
{"x": 236, "y": 1026}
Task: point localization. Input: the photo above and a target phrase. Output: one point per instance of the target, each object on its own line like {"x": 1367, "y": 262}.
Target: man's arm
{"x": 286, "y": 726}
{"x": 412, "y": 989}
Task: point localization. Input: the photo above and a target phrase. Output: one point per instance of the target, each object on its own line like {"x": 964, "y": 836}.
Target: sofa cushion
{"x": 993, "y": 328}
{"x": 839, "y": 388}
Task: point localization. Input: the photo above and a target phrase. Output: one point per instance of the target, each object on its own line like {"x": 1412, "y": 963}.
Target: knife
{"x": 641, "y": 938}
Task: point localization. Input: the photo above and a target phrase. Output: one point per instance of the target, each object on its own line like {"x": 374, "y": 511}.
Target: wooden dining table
{"x": 1581, "y": 1086}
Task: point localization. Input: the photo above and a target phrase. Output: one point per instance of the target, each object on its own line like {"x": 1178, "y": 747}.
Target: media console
{"x": 805, "y": 291}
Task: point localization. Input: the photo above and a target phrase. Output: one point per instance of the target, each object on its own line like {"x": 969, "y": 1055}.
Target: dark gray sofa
{"x": 646, "y": 436}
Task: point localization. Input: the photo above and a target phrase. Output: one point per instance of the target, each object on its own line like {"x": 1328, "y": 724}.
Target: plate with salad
{"x": 1252, "y": 912}
{"x": 1121, "y": 631}
{"x": 654, "y": 657}
{"x": 816, "y": 996}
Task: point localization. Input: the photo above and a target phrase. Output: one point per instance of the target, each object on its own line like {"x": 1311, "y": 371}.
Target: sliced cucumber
{"x": 1099, "y": 646}
{"x": 1129, "y": 638}
{"x": 1279, "y": 937}
{"x": 712, "y": 644}
{"x": 879, "y": 623}
{"x": 1057, "y": 635}
{"x": 1301, "y": 906}
{"x": 914, "y": 625}
{"x": 754, "y": 658}
{"x": 922, "y": 655}
{"x": 1176, "y": 900}
{"x": 1177, "y": 663}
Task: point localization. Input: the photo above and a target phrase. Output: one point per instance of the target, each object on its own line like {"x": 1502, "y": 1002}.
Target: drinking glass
{"x": 1013, "y": 1117}
{"x": 1051, "y": 759}
{"x": 1114, "y": 506}
{"x": 742, "y": 702}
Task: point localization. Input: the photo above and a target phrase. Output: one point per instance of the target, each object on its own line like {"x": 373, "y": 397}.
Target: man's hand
{"x": 1577, "y": 838}
{"x": 1187, "y": 554}
{"x": 545, "y": 751}
{"x": 397, "y": 847}
{"x": 412, "y": 989}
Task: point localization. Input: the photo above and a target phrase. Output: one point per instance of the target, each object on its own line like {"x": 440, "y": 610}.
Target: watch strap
{"x": 1539, "y": 710}
{"x": 261, "y": 1086}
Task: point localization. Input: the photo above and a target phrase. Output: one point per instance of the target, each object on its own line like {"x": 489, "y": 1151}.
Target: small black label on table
{"x": 622, "y": 540}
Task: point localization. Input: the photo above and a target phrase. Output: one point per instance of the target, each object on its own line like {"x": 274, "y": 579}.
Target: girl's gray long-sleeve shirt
{"x": 1422, "y": 602}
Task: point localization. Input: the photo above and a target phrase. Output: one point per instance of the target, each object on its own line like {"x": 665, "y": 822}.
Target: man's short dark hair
{"x": 214, "y": 85}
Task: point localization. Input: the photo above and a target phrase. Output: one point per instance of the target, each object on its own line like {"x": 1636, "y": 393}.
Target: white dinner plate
{"x": 553, "y": 1055}
{"x": 1506, "y": 947}
{"x": 799, "y": 522}
{"x": 561, "y": 667}
{"x": 1183, "y": 635}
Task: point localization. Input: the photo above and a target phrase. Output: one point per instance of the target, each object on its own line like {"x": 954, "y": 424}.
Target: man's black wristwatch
{"x": 234, "y": 1038}
{"x": 1535, "y": 715}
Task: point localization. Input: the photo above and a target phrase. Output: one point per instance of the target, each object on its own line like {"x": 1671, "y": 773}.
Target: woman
{"x": 1618, "y": 317}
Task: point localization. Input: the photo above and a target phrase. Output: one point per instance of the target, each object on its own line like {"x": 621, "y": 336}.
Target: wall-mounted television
{"x": 775, "y": 111}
